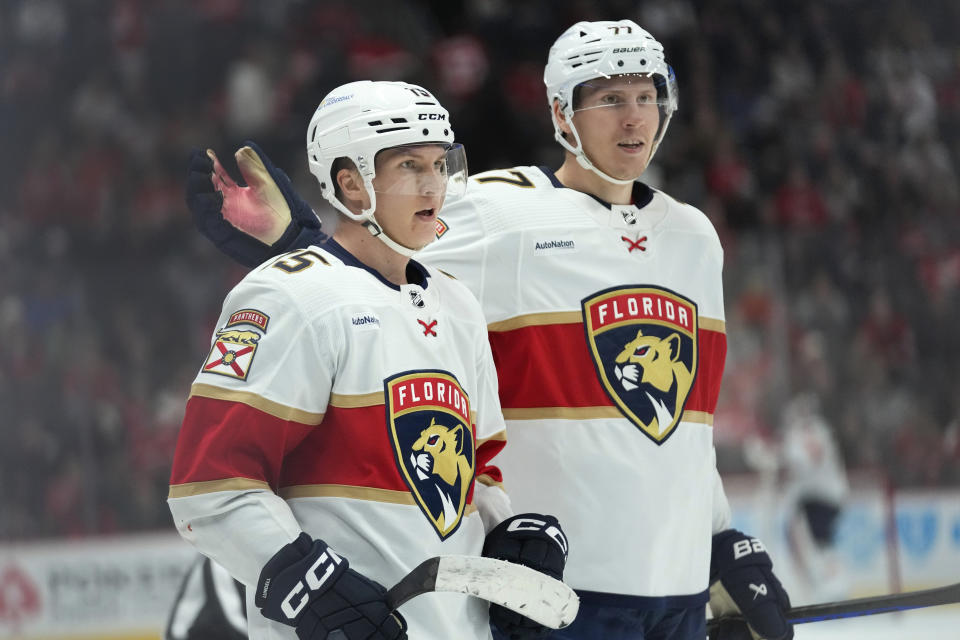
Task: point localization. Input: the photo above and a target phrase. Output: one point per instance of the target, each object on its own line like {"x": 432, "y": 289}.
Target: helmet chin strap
{"x": 584, "y": 162}
{"x": 377, "y": 231}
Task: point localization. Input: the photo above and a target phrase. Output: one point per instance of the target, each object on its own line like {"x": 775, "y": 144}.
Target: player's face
{"x": 411, "y": 183}
{"x": 617, "y": 119}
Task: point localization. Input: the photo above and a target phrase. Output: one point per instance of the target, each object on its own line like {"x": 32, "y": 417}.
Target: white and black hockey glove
{"x": 533, "y": 540}
{"x": 742, "y": 582}
{"x": 249, "y": 222}
{"x": 308, "y": 586}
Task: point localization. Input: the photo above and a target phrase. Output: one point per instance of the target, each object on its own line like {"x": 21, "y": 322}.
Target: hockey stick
{"x": 949, "y": 594}
{"x": 516, "y": 587}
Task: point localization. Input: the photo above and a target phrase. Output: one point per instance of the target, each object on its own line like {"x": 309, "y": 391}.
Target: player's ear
{"x": 560, "y": 118}
{"x": 352, "y": 188}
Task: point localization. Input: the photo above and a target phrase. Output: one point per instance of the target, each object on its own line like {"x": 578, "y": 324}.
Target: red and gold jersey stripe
{"x": 546, "y": 371}
{"x": 235, "y": 440}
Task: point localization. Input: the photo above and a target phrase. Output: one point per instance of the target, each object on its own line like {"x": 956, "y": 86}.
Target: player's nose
{"x": 432, "y": 183}
{"x": 633, "y": 115}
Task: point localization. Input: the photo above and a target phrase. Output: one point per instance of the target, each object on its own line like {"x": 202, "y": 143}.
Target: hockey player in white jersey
{"x": 604, "y": 304}
{"x": 816, "y": 488}
{"x": 342, "y": 427}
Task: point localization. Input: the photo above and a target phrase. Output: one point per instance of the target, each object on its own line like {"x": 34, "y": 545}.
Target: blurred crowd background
{"x": 822, "y": 138}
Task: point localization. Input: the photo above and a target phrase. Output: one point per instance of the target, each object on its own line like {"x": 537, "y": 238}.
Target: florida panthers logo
{"x": 644, "y": 346}
{"x": 428, "y": 414}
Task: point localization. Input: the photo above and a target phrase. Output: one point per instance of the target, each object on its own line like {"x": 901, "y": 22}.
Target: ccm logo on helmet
{"x": 433, "y": 116}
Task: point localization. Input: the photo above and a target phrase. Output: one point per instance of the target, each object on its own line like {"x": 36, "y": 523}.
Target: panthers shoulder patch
{"x": 233, "y": 349}
{"x": 428, "y": 416}
{"x": 248, "y": 316}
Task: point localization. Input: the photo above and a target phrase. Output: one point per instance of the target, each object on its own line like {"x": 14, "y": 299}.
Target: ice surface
{"x": 934, "y": 623}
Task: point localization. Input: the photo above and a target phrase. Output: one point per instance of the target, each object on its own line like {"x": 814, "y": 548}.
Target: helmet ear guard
{"x": 605, "y": 49}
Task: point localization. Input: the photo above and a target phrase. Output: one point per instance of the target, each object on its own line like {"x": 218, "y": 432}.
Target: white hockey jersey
{"x": 607, "y": 327}
{"x": 812, "y": 460}
{"x": 361, "y": 412}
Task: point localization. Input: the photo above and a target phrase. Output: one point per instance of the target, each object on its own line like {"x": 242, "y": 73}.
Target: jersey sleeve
{"x": 262, "y": 388}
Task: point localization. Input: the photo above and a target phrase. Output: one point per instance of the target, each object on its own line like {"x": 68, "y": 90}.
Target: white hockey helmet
{"x": 604, "y": 49}
{"x": 359, "y": 119}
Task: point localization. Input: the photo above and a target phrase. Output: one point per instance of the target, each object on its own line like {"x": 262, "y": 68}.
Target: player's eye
{"x": 408, "y": 164}
{"x": 610, "y": 98}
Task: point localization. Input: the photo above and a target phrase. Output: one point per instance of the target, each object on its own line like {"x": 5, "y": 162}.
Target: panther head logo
{"x": 438, "y": 458}
{"x": 658, "y": 358}
{"x": 643, "y": 340}
{"x": 654, "y": 361}
{"x": 430, "y": 425}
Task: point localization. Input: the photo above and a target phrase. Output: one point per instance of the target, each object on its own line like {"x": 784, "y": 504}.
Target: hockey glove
{"x": 252, "y": 222}
{"x": 742, "y": 581}
{"x": 533, "y": 540}
{"x": 306, "y": 585}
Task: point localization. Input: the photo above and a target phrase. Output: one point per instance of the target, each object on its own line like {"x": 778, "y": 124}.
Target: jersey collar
{"x": 641, "y": 197}
{"x": 416, "y": 272}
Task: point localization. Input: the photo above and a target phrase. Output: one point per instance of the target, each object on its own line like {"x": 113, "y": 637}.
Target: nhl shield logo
{"x": 428, "y": 415}
{"x": 644, "y": 346}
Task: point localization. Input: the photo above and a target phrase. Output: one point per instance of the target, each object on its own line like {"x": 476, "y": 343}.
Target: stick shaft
{"x": 877, "y": 604}
{"x": 869, "y": 606}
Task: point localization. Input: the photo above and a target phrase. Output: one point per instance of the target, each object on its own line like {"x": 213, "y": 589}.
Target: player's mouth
{"x": 631, "y": 146}
{"x": 427, "y": 214}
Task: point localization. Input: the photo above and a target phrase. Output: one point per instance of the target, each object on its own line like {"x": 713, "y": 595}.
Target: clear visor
{"x": 622, "y": 91}
{"x": 428, "y": 169}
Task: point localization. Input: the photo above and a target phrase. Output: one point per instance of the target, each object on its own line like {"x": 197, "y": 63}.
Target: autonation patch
{"x": 556, "y": 245}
